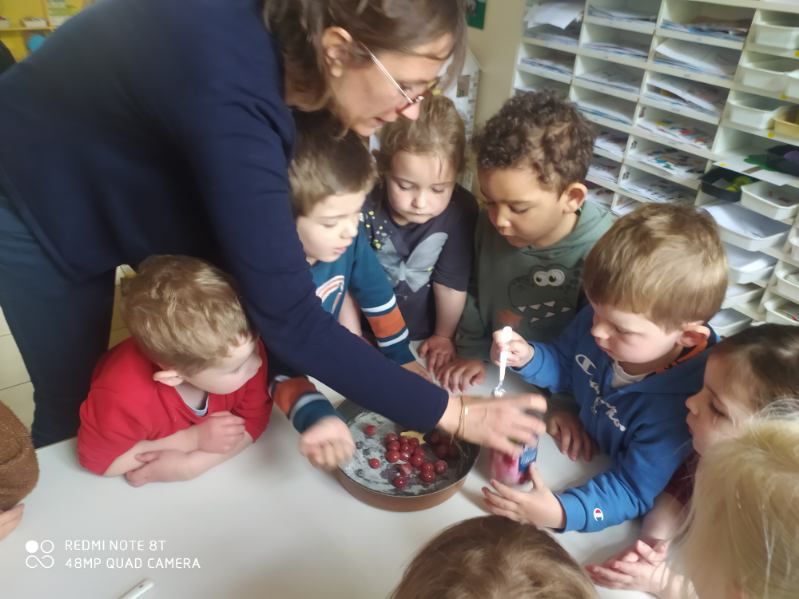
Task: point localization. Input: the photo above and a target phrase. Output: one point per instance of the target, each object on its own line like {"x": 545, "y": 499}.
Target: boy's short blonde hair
{"x": 328, "y": 160}
{"x": 183, "y": 312}
{"x": 491, "y": 557}
{"x": 663, "y": 261}
{"x": 439, "y": 131}
{"x": 743, "y": 527}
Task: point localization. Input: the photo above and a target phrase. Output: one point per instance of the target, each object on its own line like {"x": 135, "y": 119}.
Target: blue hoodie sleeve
{"x": 372, "y": 290}
{"x": 551, "y": 365}
{"x": 639, "y": 473}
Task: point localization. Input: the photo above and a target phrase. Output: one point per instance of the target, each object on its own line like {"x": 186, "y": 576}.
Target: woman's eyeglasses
{"x": 406, "y": 93}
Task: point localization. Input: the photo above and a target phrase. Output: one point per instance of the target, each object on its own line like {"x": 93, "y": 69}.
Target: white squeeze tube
{"x": 503, "y": 467}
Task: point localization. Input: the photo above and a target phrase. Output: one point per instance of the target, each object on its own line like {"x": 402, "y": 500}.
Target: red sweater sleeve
{"x": 253, "y": 402}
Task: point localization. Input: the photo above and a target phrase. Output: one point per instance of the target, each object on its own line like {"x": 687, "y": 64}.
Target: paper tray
{"x": 728, "y": 322}
{"x": 779, "y": 203}
{"x": 788, "y": 285}
{"x": 746, "y": 229}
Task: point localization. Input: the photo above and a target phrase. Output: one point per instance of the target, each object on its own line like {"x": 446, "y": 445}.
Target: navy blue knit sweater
{"x": 158, "y": 126}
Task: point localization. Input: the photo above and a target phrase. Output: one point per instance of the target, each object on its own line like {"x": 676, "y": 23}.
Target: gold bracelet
{"x": 462, "y": 419}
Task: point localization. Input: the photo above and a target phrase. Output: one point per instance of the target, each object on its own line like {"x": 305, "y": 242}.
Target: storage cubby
{"x": 683, "y": 93}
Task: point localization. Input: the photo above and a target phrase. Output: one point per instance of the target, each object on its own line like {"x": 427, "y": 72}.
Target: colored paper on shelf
{"x": 679, "y": 164}
{"x": 735, "y": 30}
{"x": 693, "y": 93}
{"x": 720, "y": 62}
{"x": 656, "y": 189}
{"x": 618, "y": 14}
{"x": 675, "y": 131}
{"x": 560, "y": 14}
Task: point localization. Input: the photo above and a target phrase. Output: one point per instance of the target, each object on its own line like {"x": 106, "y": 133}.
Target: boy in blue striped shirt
{"x": 330, "y": 176}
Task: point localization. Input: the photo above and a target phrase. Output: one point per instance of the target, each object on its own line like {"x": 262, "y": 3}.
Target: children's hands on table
{"x": 569, "y": 433}
{"x": 460, "y": 374}
{"x": 438, "y": 351}
{"x": 220, "y": 432}
{"x": 328, "y": 443}
{"x": 537, "y": 506}
{"x": 640, "y": 567}
{"x": 519, "y": 351}
{"x": 161, "y": 466}
{"x": 10, "y": 519}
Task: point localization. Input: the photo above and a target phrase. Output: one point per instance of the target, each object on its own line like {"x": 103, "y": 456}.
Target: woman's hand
{"x": 10, "y": 519}
{"x": 502, "y": 424}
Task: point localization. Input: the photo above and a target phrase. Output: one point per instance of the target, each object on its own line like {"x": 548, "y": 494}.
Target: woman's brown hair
{"x": 381, "y": 25}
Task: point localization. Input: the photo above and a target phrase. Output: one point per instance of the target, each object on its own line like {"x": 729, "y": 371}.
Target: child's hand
{"x": 161, "y": 466}
{"x": 570, "y": 435}
{"x": 417, "y": 368}
{"x": 460, "y": 374}
{"x": 638, "y": 568}
{"x": 519, "y": 351}
{"x": 438, "y": 351}
{"x": 10, "y": 519}
{"x": 538, "y": 506}
{"x": 219, "y": 432}
{"x": 328, "y": 443}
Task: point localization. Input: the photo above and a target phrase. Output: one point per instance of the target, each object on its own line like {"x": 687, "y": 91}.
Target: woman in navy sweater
{"x": 164, "y": 126}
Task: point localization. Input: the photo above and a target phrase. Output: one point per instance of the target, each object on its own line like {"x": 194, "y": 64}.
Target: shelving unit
{"x": 53, "y": 12}
{"x": 622, "y": 72}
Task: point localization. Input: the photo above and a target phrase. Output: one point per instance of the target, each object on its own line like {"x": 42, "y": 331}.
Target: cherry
{"x": 427, "y": 476}
{"x": 391, "y": 437}
{"x": 399, "y": 481}
{"x": 440, "y": 466}
{"x": 414, "y": 442}
{"x": 374, "y": 463}
{"x": 369, "y": 430}
{"x": 393, "y": 446}
{"x": 392, "y": 456}
{"x": 441, "y": 451}
{"x": 417, "y": 461}
{"x": 404, "y": 456}
{"x": 405, "y": 446}
{"x": 430, "y": 466}
{"x": 418, "y": 451}
{"x": 434, "y": 438}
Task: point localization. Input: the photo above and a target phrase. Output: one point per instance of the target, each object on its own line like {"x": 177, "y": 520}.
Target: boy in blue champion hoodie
{"x": 631, "y": 359}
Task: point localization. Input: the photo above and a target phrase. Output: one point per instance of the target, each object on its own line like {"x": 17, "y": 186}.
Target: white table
{"x": 265, "y": 524}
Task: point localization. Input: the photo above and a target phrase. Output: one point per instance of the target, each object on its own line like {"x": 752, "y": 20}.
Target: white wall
{"x": 495, "y": 48}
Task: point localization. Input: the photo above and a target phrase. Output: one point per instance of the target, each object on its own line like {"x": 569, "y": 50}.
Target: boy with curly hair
{"x": 535, "y": 231}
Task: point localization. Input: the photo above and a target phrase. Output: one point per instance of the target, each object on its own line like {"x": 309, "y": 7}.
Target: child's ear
{"x": 170, "y": 378}
{"x": 693, "y": 334}
{"x": 574, "y": 196}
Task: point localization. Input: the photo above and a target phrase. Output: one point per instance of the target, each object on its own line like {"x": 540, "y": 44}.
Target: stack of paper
{"x": 607, "y": 107}
{"x": 678, "y": 164}
{"x": 687, "y": 94}
{"x": 617, "y": 14}
{"x": 732, "y": 30}
{"x": 720, "y": 62}
{"x": 612, "y": 142}
{"x": 560, "y": 14}
{"x": 615, "y": 76}
{"x": 656, "y": 189}
{"x": 680, "y": 132}
{"x": 599, "y": 195}
{"x": 628, "y": 48}
{"x": 556, "y": 63}
{"x": 604, "y": 169}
